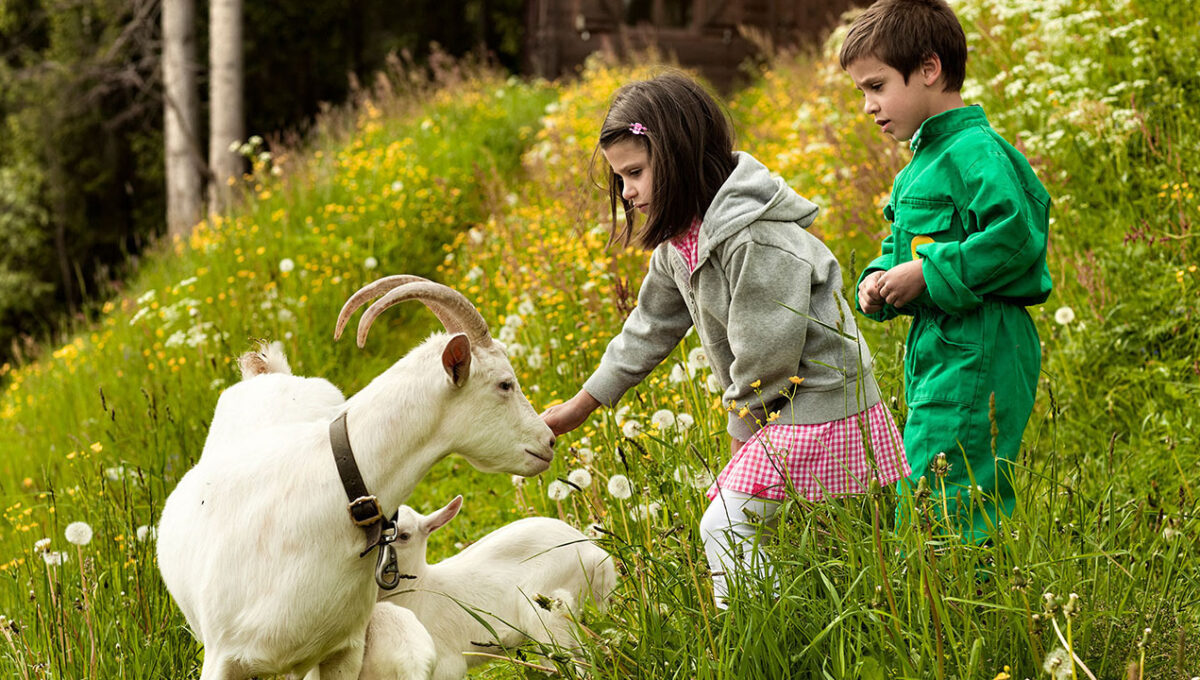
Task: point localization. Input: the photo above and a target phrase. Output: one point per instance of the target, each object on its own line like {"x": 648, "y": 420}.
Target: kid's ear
{"x": 931, "y": 69}
{"x": 444, "y": 514}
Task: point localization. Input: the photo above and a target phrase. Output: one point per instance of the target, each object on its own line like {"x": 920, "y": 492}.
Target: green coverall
{"x": 969, "y": 206}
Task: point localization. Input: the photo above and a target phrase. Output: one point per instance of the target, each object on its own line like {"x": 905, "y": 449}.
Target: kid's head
{"x": 909, "y": 58}
{"x": 669, "y": 148}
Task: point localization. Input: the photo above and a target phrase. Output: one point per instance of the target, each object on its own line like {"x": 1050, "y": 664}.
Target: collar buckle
{"x": 365, "y": 511}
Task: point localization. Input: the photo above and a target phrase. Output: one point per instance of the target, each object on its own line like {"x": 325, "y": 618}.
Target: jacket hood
{"x": 750, "y": 194}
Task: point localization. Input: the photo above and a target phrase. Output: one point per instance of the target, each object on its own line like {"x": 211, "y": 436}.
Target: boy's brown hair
{"x": 903, "y": 33}
{"x": 689, "y": 140}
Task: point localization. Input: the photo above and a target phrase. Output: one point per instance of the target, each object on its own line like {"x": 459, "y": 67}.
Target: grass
{"x": 483, "y": 183}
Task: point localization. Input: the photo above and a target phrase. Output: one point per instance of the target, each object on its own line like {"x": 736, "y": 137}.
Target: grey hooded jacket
{"x": 766, "y": 300}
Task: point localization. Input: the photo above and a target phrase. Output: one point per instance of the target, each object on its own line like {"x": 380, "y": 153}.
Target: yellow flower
{"x": 744, "y": 412}
{"x": 773, "y": 417}
{"x": 1003, "y": 675}
{"x": 795, "y": 381}
{"x": 96, "y": 447}
{"x": 756, "y": 384}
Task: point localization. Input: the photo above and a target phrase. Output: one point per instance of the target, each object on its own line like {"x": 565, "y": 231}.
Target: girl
{"x": 732, "y": 257}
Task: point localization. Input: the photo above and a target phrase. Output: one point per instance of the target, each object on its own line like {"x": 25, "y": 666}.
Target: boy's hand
{"x": 570, "y": 414}
{"x": 902, "y": 284}
{"x": 870, "y": 300}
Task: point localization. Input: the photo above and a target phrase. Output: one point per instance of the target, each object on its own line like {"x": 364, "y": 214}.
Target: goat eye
{"x": 506, "y": 386}
{"x": 403, "y": 536}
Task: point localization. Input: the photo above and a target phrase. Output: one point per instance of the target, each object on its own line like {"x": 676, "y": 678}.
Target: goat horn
{"x": 454, "y": 310}
{"x": 367, "y": 293}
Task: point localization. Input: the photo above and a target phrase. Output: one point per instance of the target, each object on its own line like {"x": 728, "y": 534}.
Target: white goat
{"x": 527, "y": 579}
{"x": 411, "y": 654}
{"x": 255, "y": 543}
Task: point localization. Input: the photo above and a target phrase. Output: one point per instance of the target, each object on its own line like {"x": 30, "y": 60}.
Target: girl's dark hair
{"x": 689, "y": 140}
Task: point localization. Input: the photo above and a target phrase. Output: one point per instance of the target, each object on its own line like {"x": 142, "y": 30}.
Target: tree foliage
{"x": 81, "y": 147}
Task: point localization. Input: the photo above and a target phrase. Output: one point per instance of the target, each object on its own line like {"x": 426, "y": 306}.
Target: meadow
{"x": 485, "y": 182}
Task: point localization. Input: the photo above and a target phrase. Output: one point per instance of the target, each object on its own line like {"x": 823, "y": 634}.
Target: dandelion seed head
{"x": 580, "y": 477}
{"x": 558, "y": 490}
{"x": 631, "y": 428}
{"x": 41, "y": 545}
{"x": 663, "y": 419}
{"x": 619, "y": 487}
{"x": 1064, "y": 315}
{"x": 286, "y": 265}
{"x": 79, "y": 533}
{"x": 1058, "y": 664}
{"x": 713, "y": 384}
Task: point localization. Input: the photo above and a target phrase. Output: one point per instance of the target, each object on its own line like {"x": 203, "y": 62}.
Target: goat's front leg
{"x": 344, "y": 664}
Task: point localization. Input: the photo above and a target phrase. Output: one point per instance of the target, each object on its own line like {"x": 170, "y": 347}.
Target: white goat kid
{"x": 410, "y": 655}
{"x": 255, "y": 543}
{"x": 527, "y": 579}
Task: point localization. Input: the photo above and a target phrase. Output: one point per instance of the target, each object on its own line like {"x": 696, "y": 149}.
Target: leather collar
{"x": 364, "y": 507}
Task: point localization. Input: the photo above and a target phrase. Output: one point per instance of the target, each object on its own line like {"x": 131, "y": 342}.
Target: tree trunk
{"x": 181, "y": 116}
{"x": 226, "y": 124}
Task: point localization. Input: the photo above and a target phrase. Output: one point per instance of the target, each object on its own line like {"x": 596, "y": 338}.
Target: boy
{"x": 966, "y": 255}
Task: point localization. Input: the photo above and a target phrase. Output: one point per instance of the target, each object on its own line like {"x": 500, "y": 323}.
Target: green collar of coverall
{"x": 948, "y": 122}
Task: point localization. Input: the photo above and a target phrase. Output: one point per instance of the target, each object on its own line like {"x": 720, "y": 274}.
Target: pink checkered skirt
{"x": 827, "y": 459}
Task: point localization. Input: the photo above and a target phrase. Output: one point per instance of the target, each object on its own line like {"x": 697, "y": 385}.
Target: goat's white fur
{"x": 255, "y": 543}
{"x": 413, "y": 659}
{"x": 527, "y": 579}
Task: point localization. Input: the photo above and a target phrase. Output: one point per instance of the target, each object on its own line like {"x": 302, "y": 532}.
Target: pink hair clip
{"x": 637, "y": 128}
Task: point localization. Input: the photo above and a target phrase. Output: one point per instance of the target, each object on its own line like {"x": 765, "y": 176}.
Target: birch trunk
{"x": 181, "y": 117}
{"x": 226, "y": 117}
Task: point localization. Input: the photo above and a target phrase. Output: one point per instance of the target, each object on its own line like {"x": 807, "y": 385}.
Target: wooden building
{"x": 713, "y": 36}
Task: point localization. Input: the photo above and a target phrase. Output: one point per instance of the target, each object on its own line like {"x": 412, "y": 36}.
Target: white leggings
{"x": 733, "y": 529}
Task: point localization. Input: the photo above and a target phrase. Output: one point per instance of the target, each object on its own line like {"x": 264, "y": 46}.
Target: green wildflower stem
{"x": 893, "y": 629}
{"x": 701, "y": 598}
{"x": 1070, "y": 650}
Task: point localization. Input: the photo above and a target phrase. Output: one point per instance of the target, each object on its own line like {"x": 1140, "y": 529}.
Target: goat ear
{"x": 456, "y": 359}
{"x": 439, "y": 518}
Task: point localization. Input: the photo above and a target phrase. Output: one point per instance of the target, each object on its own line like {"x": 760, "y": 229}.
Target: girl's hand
{"x": 869, "y": 298}
{"x": 735, "y": 445}
{"x": 902, "y": 284}
{"x": 570, "y": 414}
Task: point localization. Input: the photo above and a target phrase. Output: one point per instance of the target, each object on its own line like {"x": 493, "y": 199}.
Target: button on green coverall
{"x": 969, "y": 206}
